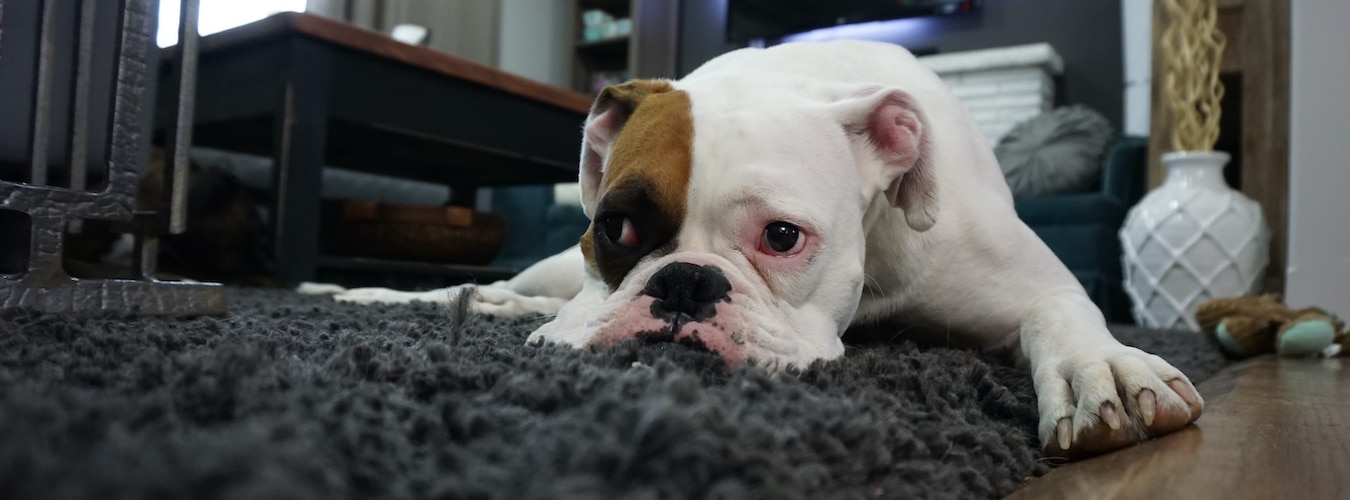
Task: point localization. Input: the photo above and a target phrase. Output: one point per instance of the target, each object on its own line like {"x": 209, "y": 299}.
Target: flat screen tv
{"x": 772, "y": 19}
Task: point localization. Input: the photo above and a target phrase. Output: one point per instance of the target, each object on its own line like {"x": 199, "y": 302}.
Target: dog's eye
{"x": 782, "y": 238}
{"x": 619, "y": 230}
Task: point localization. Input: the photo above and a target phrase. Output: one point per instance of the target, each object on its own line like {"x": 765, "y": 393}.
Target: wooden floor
{"x": 1273, "y": 428}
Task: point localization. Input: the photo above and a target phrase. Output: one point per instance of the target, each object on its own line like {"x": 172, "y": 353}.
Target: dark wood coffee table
{"x": 309, "y": 92}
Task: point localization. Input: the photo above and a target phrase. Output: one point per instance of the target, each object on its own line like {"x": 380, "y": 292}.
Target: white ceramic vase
{"x": 1189, "y": 240}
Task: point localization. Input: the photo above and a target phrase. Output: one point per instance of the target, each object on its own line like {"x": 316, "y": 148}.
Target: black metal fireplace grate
{"x": 77, "y": 83}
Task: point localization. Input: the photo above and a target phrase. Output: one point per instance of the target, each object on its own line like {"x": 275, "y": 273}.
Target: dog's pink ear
{"x": 889, "y": 125}
{"x": 609, "y": 113}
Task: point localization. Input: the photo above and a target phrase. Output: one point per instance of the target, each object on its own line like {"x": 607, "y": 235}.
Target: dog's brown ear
{"x": 609, "y": 113}
{"x": 889, "y": 125}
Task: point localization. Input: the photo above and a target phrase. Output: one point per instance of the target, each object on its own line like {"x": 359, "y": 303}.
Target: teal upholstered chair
{"x": 1081, "y": 227}
{"x": 536, "y": 226}
{"x": 531, "y": 234}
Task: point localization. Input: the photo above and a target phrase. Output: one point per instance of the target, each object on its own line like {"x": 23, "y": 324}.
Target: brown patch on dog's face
{"x": 646, "y": 179}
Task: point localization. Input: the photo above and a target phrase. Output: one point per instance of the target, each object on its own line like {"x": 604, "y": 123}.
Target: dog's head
{"x": 736, "y": 223}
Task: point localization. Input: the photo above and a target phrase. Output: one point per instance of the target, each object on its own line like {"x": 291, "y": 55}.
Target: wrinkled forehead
{"x": 728, "y": 145}
{"x": 652, "y": 151}
{"x": 672, "y": 133}
{"x": 785, "y": 150}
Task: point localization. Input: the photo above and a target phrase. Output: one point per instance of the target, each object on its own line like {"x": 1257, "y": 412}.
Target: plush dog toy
{"x": 1249, "y": 326}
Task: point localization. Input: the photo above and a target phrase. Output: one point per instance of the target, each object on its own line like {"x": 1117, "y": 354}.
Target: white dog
{"x": 760, "y": 206}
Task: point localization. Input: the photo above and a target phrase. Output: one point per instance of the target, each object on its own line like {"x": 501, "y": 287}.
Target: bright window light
{"x": 219, "y": 15}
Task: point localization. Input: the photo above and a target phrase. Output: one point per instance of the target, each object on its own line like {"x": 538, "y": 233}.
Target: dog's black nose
{"x": 686, "y": 292}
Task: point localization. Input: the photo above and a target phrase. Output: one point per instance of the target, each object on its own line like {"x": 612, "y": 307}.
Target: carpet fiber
{"x": 297, "y": 397}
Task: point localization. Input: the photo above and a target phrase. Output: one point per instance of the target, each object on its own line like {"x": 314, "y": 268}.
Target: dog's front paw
{"x": 498, "y": 301}
{"x": 488, "y": 299}
{"x": 312, "y": 288}
{"x": 1101, "y": 400}
{"x": 376, "y": 295}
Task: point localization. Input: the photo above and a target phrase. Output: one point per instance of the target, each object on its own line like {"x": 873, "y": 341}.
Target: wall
{"x": 1086, "y": 33}
{"x": 466, "y": 28}
{"x": 532, "y": 41}
{"x": 1137, "y": 37}
{"x": 1318, "y": 272}
{"x": 703, "y": 25}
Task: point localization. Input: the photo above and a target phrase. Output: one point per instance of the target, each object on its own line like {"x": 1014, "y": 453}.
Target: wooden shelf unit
{"x": 647, "y": 52}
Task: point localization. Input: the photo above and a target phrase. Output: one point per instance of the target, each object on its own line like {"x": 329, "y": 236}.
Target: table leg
{"x": 464, "y": 195}
{"x": 299, "y": 138}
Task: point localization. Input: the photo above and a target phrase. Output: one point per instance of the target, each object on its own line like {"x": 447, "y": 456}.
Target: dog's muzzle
{"x": 687, "y": 292}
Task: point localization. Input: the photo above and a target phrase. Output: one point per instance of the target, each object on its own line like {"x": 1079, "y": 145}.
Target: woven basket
{"x": 448, "y": 235}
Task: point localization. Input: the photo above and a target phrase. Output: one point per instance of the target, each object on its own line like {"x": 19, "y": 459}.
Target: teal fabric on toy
{"x": 1226, "y": 340}
{"x": 1305, "y": 338}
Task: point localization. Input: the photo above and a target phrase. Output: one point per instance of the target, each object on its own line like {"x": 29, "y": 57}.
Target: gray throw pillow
{"x": 1056, "y": 152}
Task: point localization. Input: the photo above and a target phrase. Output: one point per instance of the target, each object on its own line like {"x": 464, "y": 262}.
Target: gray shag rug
{"x": 299, "y": 397}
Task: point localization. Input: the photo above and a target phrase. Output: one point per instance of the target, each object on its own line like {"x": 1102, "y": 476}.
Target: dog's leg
{"x": 1095, "y": 394}
{"x": 312, "y": 288}
{"x": 567, "y": 327}
{"x": 542, "y": 288}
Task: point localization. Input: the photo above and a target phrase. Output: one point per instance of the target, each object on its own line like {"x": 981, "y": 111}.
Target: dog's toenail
{"x": 1188, "y": 394}
{"x": 1148, "y": 404}
{"x": 1109, "y": 416}
{"x": 1065, "y": 433}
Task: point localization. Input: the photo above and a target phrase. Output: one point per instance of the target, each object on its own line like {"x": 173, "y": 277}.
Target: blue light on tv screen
{"x": 806, "y": 19}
